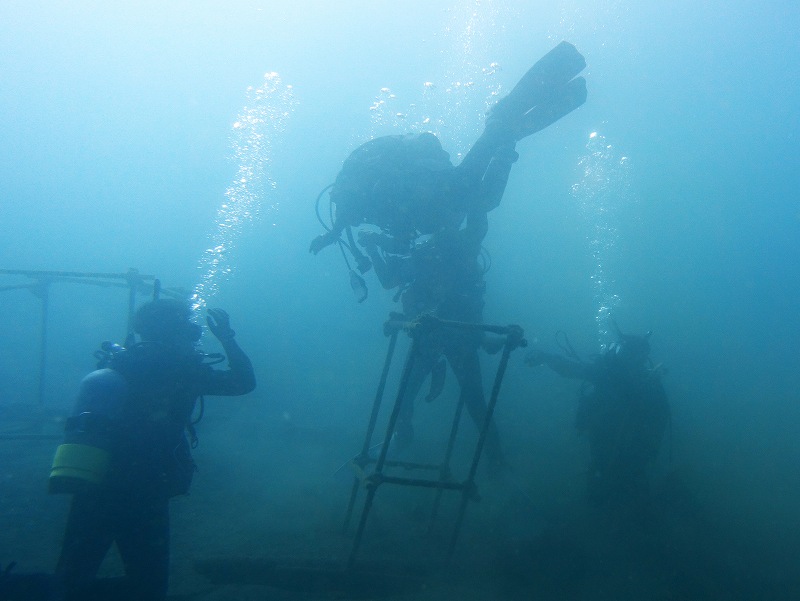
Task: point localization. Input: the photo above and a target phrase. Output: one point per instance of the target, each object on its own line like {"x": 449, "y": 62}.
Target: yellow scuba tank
{"x": 83, "y": 459}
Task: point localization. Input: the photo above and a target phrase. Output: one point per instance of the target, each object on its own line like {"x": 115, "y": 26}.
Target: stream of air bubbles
{"x": 254, "y": 137}
{"x": 602, "y": 192}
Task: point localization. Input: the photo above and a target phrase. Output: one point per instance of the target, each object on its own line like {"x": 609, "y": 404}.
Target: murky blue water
{"x": 189, "y": 141}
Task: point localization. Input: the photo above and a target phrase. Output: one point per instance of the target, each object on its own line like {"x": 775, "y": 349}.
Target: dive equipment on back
{"x": 90, "y": 433}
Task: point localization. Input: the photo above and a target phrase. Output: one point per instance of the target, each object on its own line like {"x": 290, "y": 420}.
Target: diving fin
{"x": 564, "y": 100}
{"x": 556, "y": 67}
{"x": 525, "y": 110}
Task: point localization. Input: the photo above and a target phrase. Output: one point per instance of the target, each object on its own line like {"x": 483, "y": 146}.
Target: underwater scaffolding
{"x": 371, "y": 473}
{"x": 381, "y": 577}
{"x": 40, "y": 282}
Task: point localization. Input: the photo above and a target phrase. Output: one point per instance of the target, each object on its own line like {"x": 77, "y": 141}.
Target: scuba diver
{"x": 623, "y": 411}
{"x": 432, "y": 218}
{"x": 407, "y": 186}
{"x": 442, "y": 277}
{"x": 126, "y": 453}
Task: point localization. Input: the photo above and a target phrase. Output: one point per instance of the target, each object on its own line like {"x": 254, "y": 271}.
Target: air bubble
{"x": 261, "y": 122}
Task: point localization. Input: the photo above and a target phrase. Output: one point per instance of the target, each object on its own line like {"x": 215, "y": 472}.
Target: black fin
{"x": 563, "y": 101}
{"x": 553, "y": 70}
{"x": 547, "y": 92}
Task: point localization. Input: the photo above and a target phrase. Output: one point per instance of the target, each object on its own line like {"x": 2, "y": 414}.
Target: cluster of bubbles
{"x": 455, "y": 107}
{"x": 602, "y": 192}
{"x": 253, "y": 139}
{"x": 608, "y": 23}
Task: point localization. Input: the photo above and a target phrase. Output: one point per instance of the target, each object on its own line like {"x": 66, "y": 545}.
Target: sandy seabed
{"x": 265, "y": 515}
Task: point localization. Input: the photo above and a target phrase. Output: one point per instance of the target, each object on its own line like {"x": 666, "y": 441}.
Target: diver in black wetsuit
{"x": 126, "y": 454}
{"x": 406, "y": 184}
{"x": 623, "y": 411}
{"x": 444, "y": 278}
{"x": 407, "y": 187}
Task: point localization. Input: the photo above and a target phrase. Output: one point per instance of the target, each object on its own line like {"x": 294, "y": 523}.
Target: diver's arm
{"x": 388, "y": 274}
{"x": 484, "y": 171}
{"x": 345, "y": 216}
{"x": 475, "y": 228}
{"x": 239, "y": 378}
{"x": 473, "y": 167}
{"x": 494, "y": 181}
{"x": 567, "y": 368}
{"x": 388, "y": 271}
{"x": 564, "y": 367}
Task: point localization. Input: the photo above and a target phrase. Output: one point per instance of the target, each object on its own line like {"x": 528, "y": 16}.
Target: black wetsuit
{"x": 446, "y": 280}
{"x": 623, "y": 411}
{"x": 151, "y": 462}
{"x": 443, "y": 276}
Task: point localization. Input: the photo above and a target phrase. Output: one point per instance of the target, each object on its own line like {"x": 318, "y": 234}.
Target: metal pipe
{"x": 398, "y": 403}
{"x": 73, "y": 274}
{"x": 373, "y": 418}
{"x": 43, "y": 292}
{"x": 372, "y": 486}
{"x": 133, "y": 283}
{"x": 514, "y": 339}
{"x": 444, "y": 471}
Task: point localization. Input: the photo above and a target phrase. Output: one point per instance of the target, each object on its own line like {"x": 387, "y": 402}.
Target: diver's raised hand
{"x": 219, "y": 322}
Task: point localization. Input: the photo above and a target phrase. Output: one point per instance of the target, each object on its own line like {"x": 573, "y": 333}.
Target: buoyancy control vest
{"x": 129, "y": 419}
{"x": 400, "y": 183}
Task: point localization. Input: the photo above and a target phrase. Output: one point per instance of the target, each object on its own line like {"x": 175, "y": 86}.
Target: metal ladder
{"x": 371, "y": 472}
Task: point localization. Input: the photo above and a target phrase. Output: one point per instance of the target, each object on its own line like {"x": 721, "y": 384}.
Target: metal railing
{"x": 39, "y": 285}
{"x": 371, "y": 478}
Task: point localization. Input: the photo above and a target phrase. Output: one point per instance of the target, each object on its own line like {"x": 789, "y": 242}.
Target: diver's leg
{"x": 144, "y": 546}
{"x": 87, "y": 538}
{"x": 497, "y": 135}
{"x": 467, "y": 368}
{"x": 494, "y": 181}
{"x": 404, "y": 429}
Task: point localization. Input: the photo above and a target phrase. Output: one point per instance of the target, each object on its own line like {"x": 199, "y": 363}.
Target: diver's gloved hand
{"x": 219, "y": 322}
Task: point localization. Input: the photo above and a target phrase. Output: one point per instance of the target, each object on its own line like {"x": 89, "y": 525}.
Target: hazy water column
{"x": 602, "y": 192}
{"x": 452, "y": 105}
{"x": 255, "y": 134}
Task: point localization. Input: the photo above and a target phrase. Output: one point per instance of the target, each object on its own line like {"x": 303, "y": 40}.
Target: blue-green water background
{"x": 120, "y": 150}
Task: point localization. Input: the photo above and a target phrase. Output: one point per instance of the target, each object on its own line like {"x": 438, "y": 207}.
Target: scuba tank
{"x": 105, "y": 420}
{"x": 83, "y": 459}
